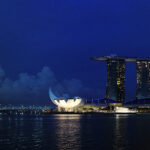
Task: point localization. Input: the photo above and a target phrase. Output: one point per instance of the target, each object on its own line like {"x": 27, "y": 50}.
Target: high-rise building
{"x": 115, "y": 86}
{"x": 143, "y": 78}
{"x": 115, "y": 80}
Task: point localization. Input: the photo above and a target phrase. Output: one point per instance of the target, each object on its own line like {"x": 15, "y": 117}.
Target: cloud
{"x": 33, "y": 89}
{"x": 27, "y": 88}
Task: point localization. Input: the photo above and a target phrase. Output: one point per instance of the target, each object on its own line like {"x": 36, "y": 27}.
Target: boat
{"x": 124, "y": 110}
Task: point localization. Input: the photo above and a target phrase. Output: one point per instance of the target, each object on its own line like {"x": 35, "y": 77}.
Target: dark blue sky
{"x": 63, "y": 35}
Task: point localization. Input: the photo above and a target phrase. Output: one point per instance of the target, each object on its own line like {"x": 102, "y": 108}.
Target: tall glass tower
{"x": 115, "y": 80}
{"x": 143, "y": 79}
{"x": 115, "y": 86}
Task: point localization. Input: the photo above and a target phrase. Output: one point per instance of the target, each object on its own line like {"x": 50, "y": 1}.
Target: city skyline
{"x": 115, "y": 85}
{"x": 63, "y": 36}
{"x": 53, "y": 95}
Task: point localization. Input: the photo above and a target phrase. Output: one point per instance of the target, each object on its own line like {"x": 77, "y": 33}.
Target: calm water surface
{"x": 75, "y": 132}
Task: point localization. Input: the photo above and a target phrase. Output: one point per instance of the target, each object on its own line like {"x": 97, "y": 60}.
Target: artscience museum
{"x": 66, "y": 104}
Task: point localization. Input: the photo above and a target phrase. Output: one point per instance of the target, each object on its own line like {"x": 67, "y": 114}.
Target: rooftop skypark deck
{"x": 117, "y": 58}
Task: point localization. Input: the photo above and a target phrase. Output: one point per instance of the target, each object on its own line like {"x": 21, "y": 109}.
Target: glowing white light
{"x": 65, "y": 103}
{"x": 69, "y": 103}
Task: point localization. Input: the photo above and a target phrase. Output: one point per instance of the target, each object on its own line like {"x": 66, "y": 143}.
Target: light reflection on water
{"x": 68, "y": 131}
{"x": 74, "y": 132}
{"x": 67, "y": 116}
{"x": 120, "y": 129}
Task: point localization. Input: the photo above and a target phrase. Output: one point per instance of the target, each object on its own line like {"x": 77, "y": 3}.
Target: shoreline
{"x": 81, "y": 113}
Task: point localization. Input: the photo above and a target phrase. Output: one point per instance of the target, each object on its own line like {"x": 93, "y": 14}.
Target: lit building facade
{"x": 115, "y": 86}
{"x": 68, "y": 104}
{"x": 115, "y": 89}
{"x": 143, "y": 78}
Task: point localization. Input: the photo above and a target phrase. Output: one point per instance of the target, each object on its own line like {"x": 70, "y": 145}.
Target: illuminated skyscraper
{"x": 115, "y": 80}
{"x": 115, "y": 86}
{"x": 143, "y": 78}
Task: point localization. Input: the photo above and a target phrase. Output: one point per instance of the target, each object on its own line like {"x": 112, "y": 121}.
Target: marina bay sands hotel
{"x": 115, "y": 87}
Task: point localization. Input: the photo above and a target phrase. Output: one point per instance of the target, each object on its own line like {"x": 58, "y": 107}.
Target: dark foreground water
{"x": 75, "y": 132}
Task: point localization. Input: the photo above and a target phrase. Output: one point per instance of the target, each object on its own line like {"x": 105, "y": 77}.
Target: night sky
{"x": 49, "y": 44}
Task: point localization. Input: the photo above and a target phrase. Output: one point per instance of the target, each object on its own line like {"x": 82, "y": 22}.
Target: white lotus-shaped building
{"x": 67, "y": 104}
